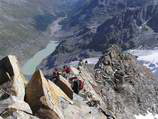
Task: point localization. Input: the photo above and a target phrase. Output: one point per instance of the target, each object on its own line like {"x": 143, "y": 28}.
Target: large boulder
{"x": 44, "y": 97}
{"x": 11, "y": 79}
{"x": 12, "y": 91}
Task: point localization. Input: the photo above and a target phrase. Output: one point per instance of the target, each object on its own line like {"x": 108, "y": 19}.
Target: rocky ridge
{"x": 40, "y": 98}
{"x": 118, "y": 88}
{"x": 127, "y": 87}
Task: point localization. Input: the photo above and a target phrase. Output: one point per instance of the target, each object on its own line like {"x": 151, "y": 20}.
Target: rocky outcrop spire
{"x": 127, "y": 87}
{"x": 44, "y": 97}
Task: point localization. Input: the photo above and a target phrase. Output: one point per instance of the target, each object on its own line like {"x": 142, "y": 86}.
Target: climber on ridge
{"x": 66, "y": 71}
{"x": 56, "y": 75}
{"x": 81, "y": 63}
{"x": 76, "y": 84}
{"x": 86, "y": 62}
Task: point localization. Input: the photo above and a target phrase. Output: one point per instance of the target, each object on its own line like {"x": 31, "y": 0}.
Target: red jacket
{"x": 67, "y": 70}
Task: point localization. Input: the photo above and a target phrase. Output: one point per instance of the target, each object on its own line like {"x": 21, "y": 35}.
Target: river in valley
{"x": 30, "y": 66}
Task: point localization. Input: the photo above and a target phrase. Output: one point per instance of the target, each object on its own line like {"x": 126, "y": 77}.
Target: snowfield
{"x": 148, "y": 116}
{"x": 148, "y": 58}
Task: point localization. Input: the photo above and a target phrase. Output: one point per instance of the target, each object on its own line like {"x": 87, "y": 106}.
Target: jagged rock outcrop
{"x": 44, "y": 97}
{"x": 127, "y": 87}
{"x": 12, "y": 91}
{"x": 21, "y": 115}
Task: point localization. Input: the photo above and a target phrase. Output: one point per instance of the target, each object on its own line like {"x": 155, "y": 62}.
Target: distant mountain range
{"x": 24, "y": 25}
{"x": 100, "y": 23}
{"x": 89, "y": 27}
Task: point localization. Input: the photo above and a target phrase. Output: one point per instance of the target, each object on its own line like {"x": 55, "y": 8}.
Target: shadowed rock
{"x": 65, "y": 87}
{"x": 12, "y": 91}
{"x": 11, "y": 79}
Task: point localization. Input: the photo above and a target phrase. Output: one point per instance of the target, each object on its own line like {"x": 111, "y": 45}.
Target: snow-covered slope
{"x": 148, "y": 116}
{"x": 148, "y": 58}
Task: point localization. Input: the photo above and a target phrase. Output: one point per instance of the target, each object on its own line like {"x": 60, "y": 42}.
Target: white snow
{"x": 148, "y": 58}
{"x": 148, "y": 116}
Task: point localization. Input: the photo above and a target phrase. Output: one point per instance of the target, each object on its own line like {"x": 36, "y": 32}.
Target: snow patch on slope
{"x": 148, "y": 58}
{"x": 148, "y": 116}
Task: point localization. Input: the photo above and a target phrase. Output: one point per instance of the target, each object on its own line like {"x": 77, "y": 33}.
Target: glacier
{"x": 148, "y": 58}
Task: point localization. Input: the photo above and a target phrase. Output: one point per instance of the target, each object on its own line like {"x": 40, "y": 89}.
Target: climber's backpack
{"x": 67, "y": 70}
{"x": 81, "y": 84}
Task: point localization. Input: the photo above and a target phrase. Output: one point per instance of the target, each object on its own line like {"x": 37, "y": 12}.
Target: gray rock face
{"x": 21, "y": 115}
{"x": 127, "y": 87}
{"x": 12, "y": 91}
{"x": 44, "y": 97}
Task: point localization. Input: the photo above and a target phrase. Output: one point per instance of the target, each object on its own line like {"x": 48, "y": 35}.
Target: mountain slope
{"x": 25, "y": 25}
{"x": 118, "y": 88}
{"x": 101, "y": 23}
